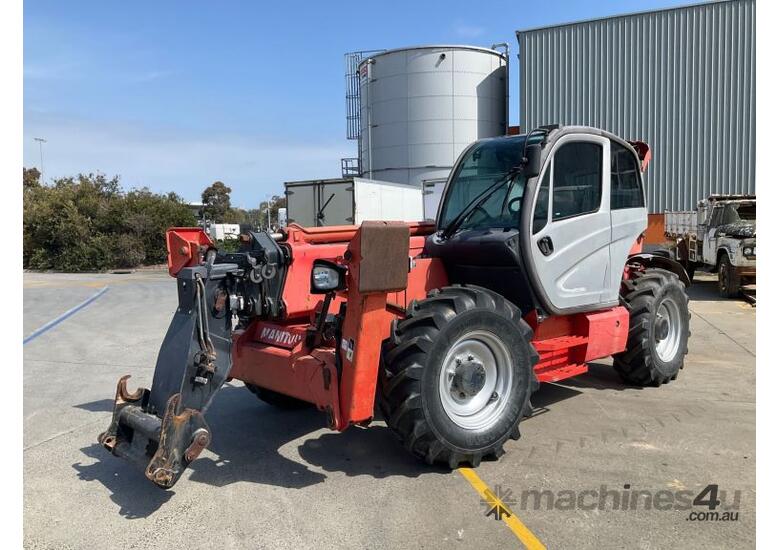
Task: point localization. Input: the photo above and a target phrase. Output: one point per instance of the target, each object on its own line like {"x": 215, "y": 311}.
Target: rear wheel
{"x": 690, "y": 266}
{"x": 658, "y": 328}
{"x": 277, "y": 399}
{"x": 690, "y": 269}
{"x": 457, "y": 375}
{"x": 728, "y": 280}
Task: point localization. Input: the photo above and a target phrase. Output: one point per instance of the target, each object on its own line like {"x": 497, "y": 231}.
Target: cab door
{"x": 710, "y": 244}
{"x": 627, "y": 211}
{"x": 571, "y": 233}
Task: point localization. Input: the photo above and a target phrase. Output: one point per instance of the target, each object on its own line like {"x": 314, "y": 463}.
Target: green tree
{"x": 276, "y": 202}
{"x": 254, "y": 217}
{"x": 236, "y": 215}
{"x": 216, "y": 201}
{"x": 88, "y": 222}
{"x": 31, "y": 178}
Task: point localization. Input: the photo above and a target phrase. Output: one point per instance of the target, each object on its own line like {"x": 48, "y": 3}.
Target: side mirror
{"x": 533, "y": 160}
{"x": 327, "y": 277}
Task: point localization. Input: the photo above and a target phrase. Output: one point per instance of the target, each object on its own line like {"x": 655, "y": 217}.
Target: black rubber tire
{"x": 728, "y": 280}
{"x": 412, "y": 360}
{"x": 277, "y": 399}
{"x": 690, "y": 267}
{"x": 640, "y": 364}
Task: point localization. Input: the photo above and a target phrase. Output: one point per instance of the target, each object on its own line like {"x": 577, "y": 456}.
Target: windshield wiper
{"x": 478, "y": 201}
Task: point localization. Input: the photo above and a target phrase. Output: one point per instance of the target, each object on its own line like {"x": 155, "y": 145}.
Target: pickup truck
{"x": 719, "y": 236}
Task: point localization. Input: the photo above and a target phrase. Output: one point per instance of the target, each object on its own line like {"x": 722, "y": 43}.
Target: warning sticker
{"x": 348, "y": 346}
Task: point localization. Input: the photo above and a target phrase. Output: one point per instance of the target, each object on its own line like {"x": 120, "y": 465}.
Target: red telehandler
{"x": 532, "y": 269}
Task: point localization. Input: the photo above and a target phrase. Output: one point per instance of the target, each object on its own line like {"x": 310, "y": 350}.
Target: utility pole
{"x": 40, "y": 141}
{"x": 268, "y": 205}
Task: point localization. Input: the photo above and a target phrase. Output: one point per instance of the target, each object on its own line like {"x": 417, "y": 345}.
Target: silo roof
{"x": 438, "y": 47}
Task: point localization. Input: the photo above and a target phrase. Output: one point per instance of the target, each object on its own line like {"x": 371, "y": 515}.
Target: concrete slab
{"x": 274, "y": 479}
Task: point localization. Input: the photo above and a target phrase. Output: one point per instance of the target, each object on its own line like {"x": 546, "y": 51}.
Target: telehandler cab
{"x": 533, "y": 269}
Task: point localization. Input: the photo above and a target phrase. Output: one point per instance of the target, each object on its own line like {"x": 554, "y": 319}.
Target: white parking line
{"x": 54, "y": 322}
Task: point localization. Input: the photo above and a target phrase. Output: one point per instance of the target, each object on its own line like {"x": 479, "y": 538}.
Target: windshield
{"x": 738, "y": 213}
{"x": 484, "y": 164}
{"x": 746, "y": 212}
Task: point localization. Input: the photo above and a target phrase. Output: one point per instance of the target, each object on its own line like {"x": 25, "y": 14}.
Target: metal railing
{"x": 350, "y": 167}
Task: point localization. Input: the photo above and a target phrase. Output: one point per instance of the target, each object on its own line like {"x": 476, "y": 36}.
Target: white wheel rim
{"x": 668, "y": 312}
{"x": 475, "y": 380}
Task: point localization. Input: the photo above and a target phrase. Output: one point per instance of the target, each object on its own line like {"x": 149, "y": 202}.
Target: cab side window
{"x": 717, "y": 214}
{"x": 576, "y": 180}
{"x": 626, "y": 181}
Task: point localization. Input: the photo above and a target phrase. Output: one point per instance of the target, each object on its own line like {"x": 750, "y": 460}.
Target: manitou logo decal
{"x": 280, "y": 337}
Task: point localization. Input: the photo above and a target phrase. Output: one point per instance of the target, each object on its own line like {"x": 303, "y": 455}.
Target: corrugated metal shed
{"x": 682, "y": 79}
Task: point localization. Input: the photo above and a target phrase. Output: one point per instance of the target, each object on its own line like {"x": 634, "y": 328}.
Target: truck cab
{"x": 727, "y": 233}
{"x": 719, "y": 236}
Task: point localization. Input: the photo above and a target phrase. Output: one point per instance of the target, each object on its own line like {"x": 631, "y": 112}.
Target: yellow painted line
{"x": 512, "y": 521}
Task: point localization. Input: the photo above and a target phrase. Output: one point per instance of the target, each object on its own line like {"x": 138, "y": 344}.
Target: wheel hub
{"x": 661, "y": 329}
{"x": 469, "y": 377}
{"x": 668, "y": 329}
{"x": 475, "y": 380}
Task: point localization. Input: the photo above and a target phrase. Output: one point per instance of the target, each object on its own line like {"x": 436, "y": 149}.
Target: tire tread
{"x": 403, "y": 360}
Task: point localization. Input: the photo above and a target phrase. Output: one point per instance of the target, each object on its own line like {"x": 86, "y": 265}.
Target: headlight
{"x": 749, "y": 251}
{"x": 327, "y": 277}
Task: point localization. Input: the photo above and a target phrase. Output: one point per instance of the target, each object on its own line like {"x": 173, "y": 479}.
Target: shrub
{"x": 88, "y": 223}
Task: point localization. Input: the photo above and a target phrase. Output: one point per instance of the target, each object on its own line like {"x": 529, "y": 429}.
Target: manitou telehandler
{"x": 533, "y": 269}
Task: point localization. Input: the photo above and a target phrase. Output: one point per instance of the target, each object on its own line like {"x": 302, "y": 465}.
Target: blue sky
{"x": 174, "y": 95}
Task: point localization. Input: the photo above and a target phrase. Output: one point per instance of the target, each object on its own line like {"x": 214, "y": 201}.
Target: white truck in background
{"x": 720, "y": 235}
{"x": 223, "y": 231}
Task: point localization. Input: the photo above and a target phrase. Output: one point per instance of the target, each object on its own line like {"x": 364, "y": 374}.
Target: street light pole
{"x": 268, "y": 206}
{"x": 40, "y": 141}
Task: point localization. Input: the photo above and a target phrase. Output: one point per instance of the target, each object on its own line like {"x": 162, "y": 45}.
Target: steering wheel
{"x": 481, "y": 210}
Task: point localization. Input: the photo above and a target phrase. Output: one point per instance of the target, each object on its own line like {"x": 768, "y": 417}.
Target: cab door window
{"x": 576, "y": 179}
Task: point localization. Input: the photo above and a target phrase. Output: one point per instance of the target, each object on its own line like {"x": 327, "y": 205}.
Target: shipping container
{"x": 351, "y": 201}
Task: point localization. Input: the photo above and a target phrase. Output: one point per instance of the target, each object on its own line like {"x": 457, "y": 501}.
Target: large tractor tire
{"x": 277, "y": 399}
{"x": 728, "y": 280}
{"x": 457, "y": 374}
{"x": 659, "y": 327}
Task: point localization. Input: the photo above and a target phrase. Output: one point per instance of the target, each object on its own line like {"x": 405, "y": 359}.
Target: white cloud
{"x": 184, "y": 161}
{"x": 51, "y": 71}
{"x": 149, "y": 76}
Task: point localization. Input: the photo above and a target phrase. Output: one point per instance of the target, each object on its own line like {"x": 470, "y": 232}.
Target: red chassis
{"x": 342, "y": 382}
